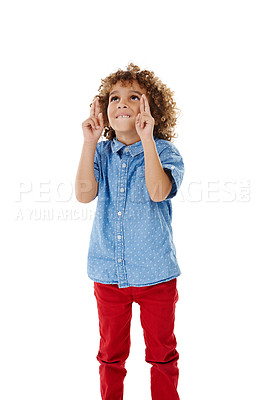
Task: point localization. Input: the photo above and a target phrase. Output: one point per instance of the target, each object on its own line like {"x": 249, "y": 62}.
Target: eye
{"x": 135, "y": 96}
{"x": 112, "y": 98}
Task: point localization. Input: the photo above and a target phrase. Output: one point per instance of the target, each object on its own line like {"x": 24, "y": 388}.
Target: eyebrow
{"x": 135, "y": 91}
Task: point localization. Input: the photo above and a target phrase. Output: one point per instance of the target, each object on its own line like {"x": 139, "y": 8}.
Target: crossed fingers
{"x": 144, "y": 105}
{"x": 144, "y": 120}
{"x": 95, "y": 108}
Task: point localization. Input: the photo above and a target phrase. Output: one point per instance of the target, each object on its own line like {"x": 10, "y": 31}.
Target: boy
{"x": 132, "y": 257}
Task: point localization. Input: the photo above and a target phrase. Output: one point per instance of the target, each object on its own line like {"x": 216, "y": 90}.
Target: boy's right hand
{"x": 93, "y": 126}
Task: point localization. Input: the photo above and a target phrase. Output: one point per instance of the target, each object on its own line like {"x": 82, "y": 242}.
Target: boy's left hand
{"x": 144, "y": 120}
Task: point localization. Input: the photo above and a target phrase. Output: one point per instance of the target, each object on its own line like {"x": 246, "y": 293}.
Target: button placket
{"x": 121, "y": 202}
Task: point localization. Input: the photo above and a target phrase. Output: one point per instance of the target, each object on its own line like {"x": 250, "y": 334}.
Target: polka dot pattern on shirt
{"x": 131, "y": 241}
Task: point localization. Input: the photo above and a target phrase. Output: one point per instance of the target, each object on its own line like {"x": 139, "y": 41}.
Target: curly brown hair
{"x": 162, "y": 105}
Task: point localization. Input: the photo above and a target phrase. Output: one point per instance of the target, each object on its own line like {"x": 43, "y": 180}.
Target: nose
{"x": 121, "y": 104}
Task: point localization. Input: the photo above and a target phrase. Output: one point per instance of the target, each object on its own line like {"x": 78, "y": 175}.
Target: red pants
{"x": 157, "y": 315}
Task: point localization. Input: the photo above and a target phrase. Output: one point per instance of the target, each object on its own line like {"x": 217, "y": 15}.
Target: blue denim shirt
{"x": 131, "y": 241}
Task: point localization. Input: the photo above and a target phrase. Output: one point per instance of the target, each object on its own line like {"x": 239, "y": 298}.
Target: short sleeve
{"x": 97, "y": 162}
{"x": 173, "y": 165}
{"x": 97, "y": 165}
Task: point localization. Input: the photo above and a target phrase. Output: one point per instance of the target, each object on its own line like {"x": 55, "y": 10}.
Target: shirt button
{"x": 172, "y": 167}
{"x": 118, "y": 237}
{"x": 124, "y": 165}
{"x": 122, "y": 190}
{"x": 126, "y": 149}
{"x": 119, "y": 213}
{"x": 119, "y": 260}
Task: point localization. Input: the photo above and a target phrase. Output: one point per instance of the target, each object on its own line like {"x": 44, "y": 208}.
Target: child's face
{"x": 124, "y": 100}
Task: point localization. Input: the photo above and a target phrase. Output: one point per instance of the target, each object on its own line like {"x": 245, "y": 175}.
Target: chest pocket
{"x": 139, "y": 192}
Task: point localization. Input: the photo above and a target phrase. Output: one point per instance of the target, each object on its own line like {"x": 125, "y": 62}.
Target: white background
{"x": 54, "y": 54}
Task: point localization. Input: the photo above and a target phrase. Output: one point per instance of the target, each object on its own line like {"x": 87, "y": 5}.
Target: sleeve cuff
{"x": 173, "y": 174}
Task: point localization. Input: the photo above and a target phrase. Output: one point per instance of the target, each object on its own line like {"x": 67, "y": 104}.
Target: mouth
{"x": 123, "y": 116}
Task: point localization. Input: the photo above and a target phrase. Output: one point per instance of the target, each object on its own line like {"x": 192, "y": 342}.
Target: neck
{"x": 127, "y": 139}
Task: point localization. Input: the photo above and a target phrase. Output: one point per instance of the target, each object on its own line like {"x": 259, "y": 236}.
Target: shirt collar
{"x": 134, "y": 149}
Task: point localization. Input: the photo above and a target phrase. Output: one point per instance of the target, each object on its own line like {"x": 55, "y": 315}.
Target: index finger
{"x": 97, "y": 107}
{"x": 146, "y": 104}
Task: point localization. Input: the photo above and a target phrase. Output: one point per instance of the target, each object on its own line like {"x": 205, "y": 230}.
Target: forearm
{"x": 86, "y": 186}
{"x": 157, "y": 181}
